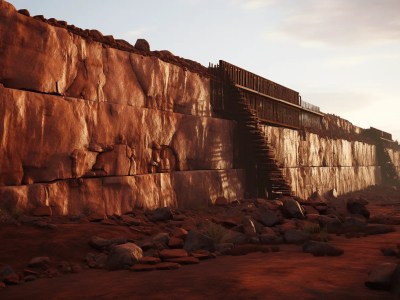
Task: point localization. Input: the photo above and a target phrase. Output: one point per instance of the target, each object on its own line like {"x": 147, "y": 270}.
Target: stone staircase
{"x": 388, "y": 170}
{"x": 270, "y": 174}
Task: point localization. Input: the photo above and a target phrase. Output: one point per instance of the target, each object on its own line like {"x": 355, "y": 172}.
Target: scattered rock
{"x": 190, "y": 260}
{"x": 389, "y": 251}
{"x": 168, "y": 266}
{"x": 143, "y": 45}
{"x": 64, "y": 267}
{"x": 249, "y": 226}
{"x": 179, "y": 232}
{"x": 125, "y": 255}
{"x": 235, "y": 237}
{"x": 202, "y": 254}
{"x": 316, "y": 199}
{"x": 292, "y": 208}
{"x": 76, "y": 268}
{"x": 43, "y": 224}
{"x": 150, "y": 260}
{"x": 294, "y": 236}
{"x": 96, "y": 260}
{"x": 380, "y": 277}
{"x": 173, "y": 253}
{"x": 353, "y": 225}
{"x": 222, "y": 248}
{"x": 162, "y": 214}
{"x": 31, "y": 219}
{"x": 267, "y": 217}
{"x": 178, "y": 217}
{"x": 100, "y": 243}
{"x": 161, "y": 238}
{"x": 42, "y": 211}
{"x": 268, "y": 238}
{"x": 379, "y": 229}
{"x": 221, "y": 201}
{"x": 128, "y": 220}
{"x": 27, "y": 272}
{"x": 331, "y": 223}
{"x": 175, "y": 242}
{"x": 40, "y": 262}
{"x": 196, "y": 240}
{"x": 8, "y": 276}
{"x": 51, "y": 273}
{"x": 357, "y": 207}
{"x": 321, "y": 249}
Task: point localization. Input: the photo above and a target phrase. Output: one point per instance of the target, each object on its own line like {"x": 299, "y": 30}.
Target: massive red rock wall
{"x": 90, "y": 128}
{"x": 395, "y": 157}
{"x": 315, "y": 163}
{"x": 48, "y": 59}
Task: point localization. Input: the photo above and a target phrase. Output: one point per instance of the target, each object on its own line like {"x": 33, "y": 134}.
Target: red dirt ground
{"x": 287, "y": 274}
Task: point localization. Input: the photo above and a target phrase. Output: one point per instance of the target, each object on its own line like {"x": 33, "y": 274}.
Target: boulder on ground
{"x": 358, "y": 207}
{"x": 173, "y": 253}
{"x": 380, "y": 277}
{"x": 100, "y": 243}
{"x": 292, "y": 209}
{"x": 249, "y": 228}
{"x": 221, "y": 201}
{"x": 162, "y": 214}
{"x": 8, "y": 276}
{"x": 378, "y": 229}
{"x": 96, "y": 260}
{"x": 321, "y": 249}
{"x": 39, "y": 262}
{"x": 196, "y": 240}
{"x": 267, "y": 217}
{"x": 124, "y": 255}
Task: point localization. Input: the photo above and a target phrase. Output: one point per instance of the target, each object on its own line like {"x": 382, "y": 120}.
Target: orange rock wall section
{"x": 80, "y": 119}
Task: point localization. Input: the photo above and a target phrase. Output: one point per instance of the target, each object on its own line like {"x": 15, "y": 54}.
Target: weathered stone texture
{"x": 43, "y": 58}
{"x": 46, "y": 137}
{"x": 116, "y": 195}
{"x": 395, "y": 157}
{"x": 312, "y": 162}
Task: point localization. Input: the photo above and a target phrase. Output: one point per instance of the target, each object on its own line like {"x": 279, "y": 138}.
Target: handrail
{"x": 279, "y": 100}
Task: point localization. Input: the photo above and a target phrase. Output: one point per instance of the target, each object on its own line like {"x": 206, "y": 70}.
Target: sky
{"x": 341, "y": 55}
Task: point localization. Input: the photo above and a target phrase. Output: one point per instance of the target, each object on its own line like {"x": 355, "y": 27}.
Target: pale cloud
{"x": 356, "y": 60}
{"x": 340, "y": 102}
{"x": 340, "y": 22}
{"x": 134, "y": 34}
{"x": 255, "y": 4}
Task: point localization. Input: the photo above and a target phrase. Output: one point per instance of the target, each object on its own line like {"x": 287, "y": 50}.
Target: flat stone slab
{"x": 149, "y": 260}
{"x": 168, "y": 266}
{"x": 190, "y": 260}
{"x": 173, "y": 253}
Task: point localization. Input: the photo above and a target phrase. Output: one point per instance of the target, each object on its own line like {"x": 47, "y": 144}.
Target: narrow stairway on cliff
{"x": 270, "y": 175}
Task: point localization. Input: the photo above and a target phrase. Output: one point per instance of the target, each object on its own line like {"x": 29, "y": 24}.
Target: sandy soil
{"x": 287, "y": 274}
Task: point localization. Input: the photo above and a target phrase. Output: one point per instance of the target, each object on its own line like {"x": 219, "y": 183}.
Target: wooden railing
{"x": 273, "y": 103}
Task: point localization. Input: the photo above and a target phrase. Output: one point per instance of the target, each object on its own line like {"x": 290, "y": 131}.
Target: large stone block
{"x": 119, "y": 194}
{"x": 47, "y": 137}
{"x": 40, "y": 57}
